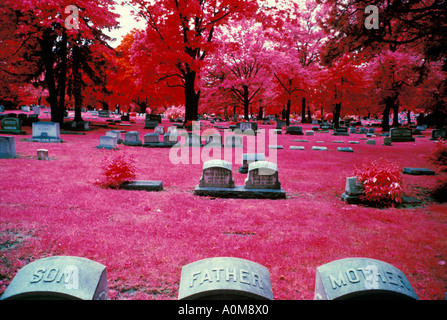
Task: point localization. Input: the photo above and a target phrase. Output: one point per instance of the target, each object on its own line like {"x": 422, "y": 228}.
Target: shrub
{"x": 439, "y": 155}
{"x": 117, "y": 169}
{"x": 382, "y": 182}
{"x": 439, "y": 192}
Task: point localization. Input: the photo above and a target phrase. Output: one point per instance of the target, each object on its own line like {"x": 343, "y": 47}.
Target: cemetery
{"x": 271, "y": 151}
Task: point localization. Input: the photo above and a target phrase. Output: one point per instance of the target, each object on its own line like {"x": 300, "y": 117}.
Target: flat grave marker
{"x": 418, "y": 171}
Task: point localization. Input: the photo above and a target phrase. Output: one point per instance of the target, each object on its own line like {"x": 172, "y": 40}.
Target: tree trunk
{"x": 303, "y": 110}
{"x": 261, "y": 113}
{"x": 246, "y": 103}
{"x": 288, "y": 113}
{"x": 191, "y": 97}
{"x": 62, "y": 78}
{"x": 77, "y": 90}
{"x": 395, "y": 115}
{"x": 386, "y": 114}
{"x": 336, "y": 115}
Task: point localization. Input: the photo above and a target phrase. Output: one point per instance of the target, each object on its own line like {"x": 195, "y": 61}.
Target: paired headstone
{"x": 438, "y": 134}
{"x": 294, "y": 130}
{"x": 217, "y": 174}
{"x": 132, "y": 138}
{"x": 418, "y": 171}
{"x": 59, "y": 278}
{"x": 225, "y": 278}
{"x": 46, "y": 132}
{"x": 353, "y": 191}
{"x": 362, "y": 279}
{"x": 401, "y": 135}
{"x": 107, "y": 142}
{"x": 11, "y": 126}
{"x": 248, "y": 158}
{"x": 7, "y": 147}
{"x": 262, "y": 175}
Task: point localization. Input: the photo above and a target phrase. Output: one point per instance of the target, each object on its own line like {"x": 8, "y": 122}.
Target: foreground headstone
{"x": 262, "y": 175}
{"x": 11, "y": 126}
{"x": 46, "y": 132}
{"x": 438, "y": 134}
{"x": 59, "y": 278}
{"x": 362, "y": 278}
{"x": 7, "y": 147}
{"x": 353, "y": 191}
{"x": 42, "y": 154}
{"x": 217, "y": 173}
{"x": 107, "y": 142}
{"x": 401, "y": 135}
{"x": 225, "y": 278}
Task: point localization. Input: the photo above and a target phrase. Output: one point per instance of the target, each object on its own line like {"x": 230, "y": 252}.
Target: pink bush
{"x": 117, "y": 169}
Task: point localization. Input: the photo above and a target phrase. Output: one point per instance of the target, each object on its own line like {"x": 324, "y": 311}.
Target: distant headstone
{"x": 26, "y": 108}
{"x": 310, "y": 132}
{"x": 150, "y": 124}
{"x": 353, "y": 191}
{"x": 213, "y": 140}
{"x": 247, "y": 127}
{"x": 401, "y": 135}
{"x": 418, "y": 171}
{"x": 345, "y": 149}
{"x": 107, "y": 142}
{"x": 353, "y": 142}
{"x": 151, "y": 138}
{"x": 438, "y": 134}
{"x": 217, "y": 174}
{"x": 371, "y": 142}
{"x": 294, "y": 130}
{"x": 36, "y": 110}
{"x": 341, "y": 131}
{"x": 103, "y": 113}
{"x": 11, "y": 126}
{"x": 319, "y": 148}
{"x": 297, "y": 148}
{"x": 248, "y": 158}
{"x": 132, "y": 138}
{"x": 275, "y": 147}
{"x": 115, "y": 133}
{"x": 159, "y": 130}
{"x": 142, "y": 185}
{"x": 7, "y": 147}
{"x": 59, "y": 278}
{"x": 234, "y": 141}
{"x": 363, "y": 130}
{"x": 46, "y": 132}
{"x": 170, "y": 138}
{"x": 225, "y": 278}
{"x": 362, "y": 279}
{"x": 262, "y": 175}
{"x": 387, "y": 141}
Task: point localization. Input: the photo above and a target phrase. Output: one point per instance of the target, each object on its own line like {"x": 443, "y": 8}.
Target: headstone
{"x": 234, "y": 141}
{"x": 159, "y": 130}
{"x": 275, "y": 147}
{"x": 310, "y": 132}
{"x": 132, "y": 138}
{"x": 142, "y": 185}
{"x": 213, "y": 140}
{"x": 217, "y": 174}
{"x": 11, "y": 126}
{"x": 371, "y": 142}
{"x": 338, "y": 141}
{"x": 362, "y": 279}
{"x": 345, "y": 149}
{"x": 247, "y": 127}
{"x": 192, "y": 139}
{"x": 171, "y": 129}
{"x": 225, "y": 278}
{"x": 418, "y": 171}
{"x": 353, "y": 191}
{"x": 115, "y": 133}
{"x": 341, "y": 131}
{"x": 352, "y": 130}
{"x": 36, "y": 110}
{"x": 262, "y": 175}
{"x": 438, "y": 134}
{"x": 401, "y": 135}
{"x": 353, "y": 142}
{"x": 363, "y": 130}
{"x": 59, "y": 278}
{"x": 46, "y": 132}
{"x": 150, "y": 138}
{"x": 150, "y": 124}
{"x": 171, "y": 138}
{"x": 297, "y": 148}
{"x": 387, "y": 141}
{"x": 248, "y": 158}
{"x": 319, "y": 148}
{"x": 294, "y": 130}
{"x": 7, "y": 147}
{"x": 26, "y": 108}
{"x": 107, "y": 142}
{"x": 42, "y": 154}
{"x": 125, "y": 117}
{"x": 103, "y": 113}
{"x": 371, "y": 130}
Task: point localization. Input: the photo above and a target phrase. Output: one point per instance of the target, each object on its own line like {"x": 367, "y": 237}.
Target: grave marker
{"x": 46, "y": 132}
{"x": 217, "y": 174}
{"x": 132, "y": 138}
{"x": 107, "y": 142}
{"x": 297, "y": 148}
{"x": 418, "y": 171}
{"x": 262, "y": 175}
{"x": 353, "y": 191}
{"x": 341, "y": 131}
{"x": 401, "y": 135}
{"x": 362, "y": 279}
{"x": 12, "y": 126}
{"x": 7, "y": 147}
{"x": 248, "y": 158}
{"x": 319, "y": 148}
{"x": 59, "y": 278}
{"x": 438, "y": 134}
{"x": 150, "y": 124}
{"x": 294, "y": 130}
{"x": 103, "y": 113}
{"x": 225, "y": 278}
{"x": 345, "y": 149}
{"x": 159, "y": 130}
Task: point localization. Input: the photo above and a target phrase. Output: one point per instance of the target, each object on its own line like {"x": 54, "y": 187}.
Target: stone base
{"x": 144, "y": 185}
{"x": 133, "y": 143}
{"x": 108, "y": 147}
{"x": 158, "y": 145}
{"x": 240, "y": 192}
{"x": 46, "y": 140}
{"x": 17, "y": 132}
{"x": 402, "y": 139}
{"x": 350, "y": 199}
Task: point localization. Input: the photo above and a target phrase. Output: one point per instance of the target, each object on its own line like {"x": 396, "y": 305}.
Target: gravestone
{"x": 150, "y": 124}
{"x": 262, "y": 175}
{"x": 142, "y": 185}
{"x": 42, "y": 154}
{"x": 125, "y": 117}
{"x": 36, "y": 110}
{"x": 319, "y": 148}
{"x": 159, "y": 130}
{"x": 225, "y": 278}
{"x": 371, "y": 142}
{"x": 46, "y": 132}
{"x": 275, "y": 147}
{"x": 217, "y": 174}
{"x": 345, "y": 149}
{"x": 103, "y": 113}
{"x": 341, "y": 131}
{"x": 150, "y": 139}
{"x": 363, "y": 130}
{"x": 294, "y": 130}
{"x": 170, "y": 138}
{"x": 213, "y": 140}
{"x": 107, "y": 142}
{"x": 132, "y": 138}
{"x": 59, "y": 278}
{"x": 353, "y": 191}
{"x": 234, "y": 141}
{"x": 401, "y": 135}
{"x": 248, "y": 158}
{"x": 247, "y": 127}
{"x": 171, "y": 129}
{"x": 362, "y": 279}
{"x": 115, "y": 133}
{"x": 297, "y": 148}
{"x": 438, "y": 134}
{"x": 353, "y": 142}
{"x": 418, "y": 171}
{"x": 11, "y": 126}
{"x": 310, "y": 132}
{"x": 7, "y": 147}
{"x": 387, "y": 141}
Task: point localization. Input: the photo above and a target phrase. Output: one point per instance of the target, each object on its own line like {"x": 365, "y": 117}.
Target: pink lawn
{"x": 144, "y": 238}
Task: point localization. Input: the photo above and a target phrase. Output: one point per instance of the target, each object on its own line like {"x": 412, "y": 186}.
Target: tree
{"x": 177, "y": 39}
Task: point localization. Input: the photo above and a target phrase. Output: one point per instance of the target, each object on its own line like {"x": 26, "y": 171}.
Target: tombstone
{"x": 7, "y": 147}
{"x": 125, "y": 117}
{"x": 401, "y": 135}
{"x": 371, "y": 142}
{"x": 213, "y": 140}
{"x": 362, "y": 279}
{"x": 103, "y": 113}
{"x": 310, "y": 132}
{"x": 363, "y": 130}
{"x": 25, "y": 108}
{"x": 371, "y": 130}
{"x": 159, "y": 130}
{"x": 12, "y": 126}
{"x": 150, "y": 124}
{"x": 297, "y": 148}
{"x": 46, "y": 132}
{"x": 275, "y": 147}
{"x": 294, "y": 130}
{"x": 248, "y": 158}
{"x": 262, "y": 175}
{"x": 115, "y": 133}
{"x": 42, "y": 154}
{"x": 59, "y": 278}
{"x": 172, "y": 129}
{"x": 352, "y": 130}
{"x": 217, "y": 174}
{"x": 150, "y": 139}
{"x": 353, "y": 142}
{"x": 132, "y": 138}
{"x": 142, "y": 185}
{"x": 353, "y": 191}
{"x": 234, "y": 141}
{"x": 225, "y": 278}
{"x": 418, "y": 171}
{"x": 107, "y": 142}
{"x": 280, "y": 124}
{"x": 36, "y": 110}
{"x": 345, "y": 149}
{"x": 438, "y": 134}
{"x": 192, "y": 139}
{"x": 341, "y": 131}
{"x": 387, "y": 141}
{"x": 319, "y": 148}
{"x": 170, "y": 138}
{"x": 247, "y": 127}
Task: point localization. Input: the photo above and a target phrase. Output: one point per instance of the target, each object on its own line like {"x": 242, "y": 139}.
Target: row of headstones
{"x": 219, "y": 278}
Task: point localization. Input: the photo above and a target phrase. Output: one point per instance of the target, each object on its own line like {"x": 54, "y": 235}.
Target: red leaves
{"x": 382, "y": 181}
{"x": 117, "y": 169}
{"x": 439, "y": 155}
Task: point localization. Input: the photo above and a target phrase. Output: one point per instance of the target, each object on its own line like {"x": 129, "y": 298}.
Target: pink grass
{"x": 144, "y": 238}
